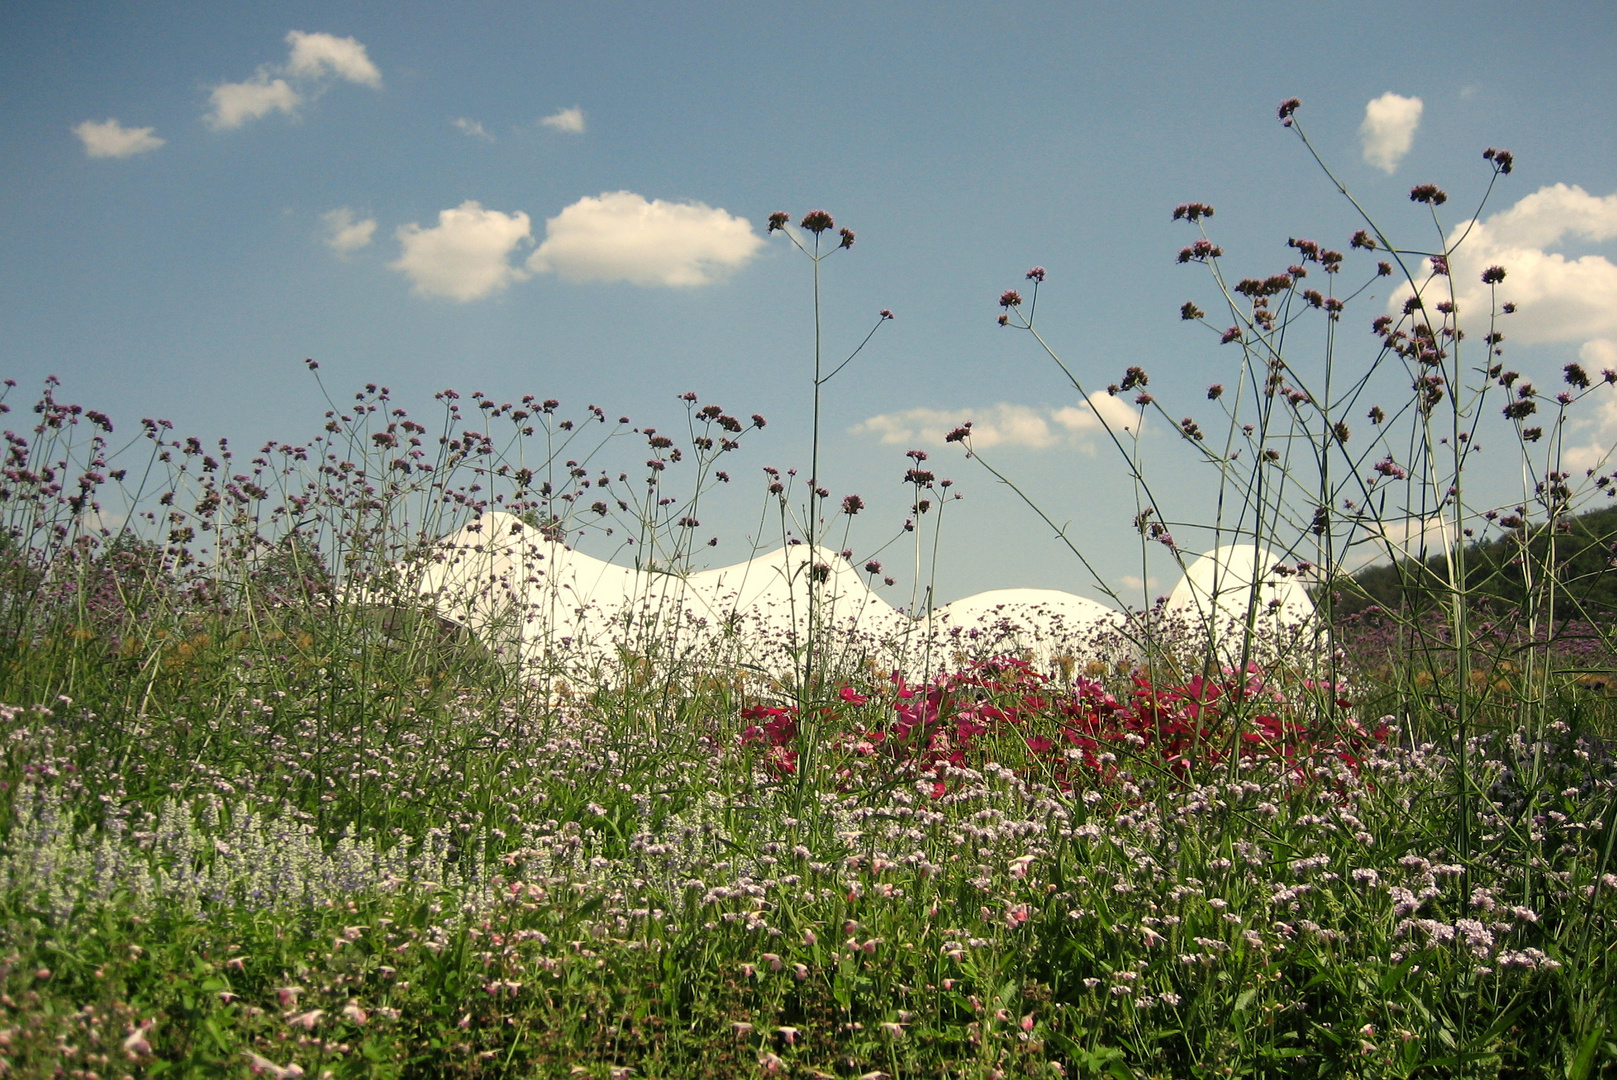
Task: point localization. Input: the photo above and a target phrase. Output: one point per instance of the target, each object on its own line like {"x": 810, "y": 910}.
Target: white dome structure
{"x": 1221, "y": 588}
{"x": 1047, "y": 625}
{"x": 525, "y": 593}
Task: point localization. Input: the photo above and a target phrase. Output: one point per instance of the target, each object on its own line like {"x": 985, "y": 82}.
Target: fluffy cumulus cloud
{"x": 1402, "y": 538}
{"x": 1558, "y": 299}
{"x": 234, "y": 104}
{"x": 568, "y": 120}
{"x": 313, "y": 63}
{"x": 467, "y": 126}
{"x": 1005, "y": 424}
{"x": 467, "y": 255}
{"x": 621, "y": 236}
{"x": 316, "y": 56}
{"x": 1388, "y": 130}
{"x": 1595, "y": 437}
{"x": 346, "y": 233}
{"x": 108, "y": 138}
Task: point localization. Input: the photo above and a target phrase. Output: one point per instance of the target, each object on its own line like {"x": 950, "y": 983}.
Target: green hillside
{"x": 1507, "y": 571}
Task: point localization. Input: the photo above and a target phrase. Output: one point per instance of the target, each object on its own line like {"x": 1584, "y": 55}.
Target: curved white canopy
{"x": 513, "y": 585}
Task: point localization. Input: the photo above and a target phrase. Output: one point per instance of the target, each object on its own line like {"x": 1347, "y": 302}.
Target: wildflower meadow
{"x": 276, "y": 801}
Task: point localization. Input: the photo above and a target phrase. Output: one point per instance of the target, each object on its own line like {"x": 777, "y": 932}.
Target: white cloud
{"x": 1599, "y": 355}
{"x": 96, "y": 521}
{"x": 108, "y": 138}
{"x": 1004, "y": 424}
{"x": 1403, "y": 538}
{"x": 314, "y": 56}
{"x": 1600, "y": 448}
{"x": 1550, "y": 213}
{"x": 1117, "y": 411}
{"x": 312, "y": 62}
{"x": 1135, "y": 583}
{"x": 620, "y": 236}
{"x": 471, "y": 127}
{"x": 1388, "y": 130}
{"x": 236, "y": 103}
{"x": 344, "y": 234}
{"x": 1557, "y": 299}
{"x": 466, "y": 256}
{"x": 568, "y": 120}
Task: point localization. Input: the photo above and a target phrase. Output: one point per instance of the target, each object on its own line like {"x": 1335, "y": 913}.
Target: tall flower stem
{"x": 818, "y": 223}
{"x": 811, "y": 529}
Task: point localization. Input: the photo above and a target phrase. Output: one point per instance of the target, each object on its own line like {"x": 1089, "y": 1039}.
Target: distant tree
{"x": 1509, "y": 572}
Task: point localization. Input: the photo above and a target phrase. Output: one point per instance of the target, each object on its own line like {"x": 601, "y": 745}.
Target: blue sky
{"x": 570, "y": 201}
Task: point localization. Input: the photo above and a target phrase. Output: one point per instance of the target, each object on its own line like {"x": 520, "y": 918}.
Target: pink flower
{"x": 308, "y": 1021}
{"x": 135, "y": 1045}
{"x": 263, "y": 1066}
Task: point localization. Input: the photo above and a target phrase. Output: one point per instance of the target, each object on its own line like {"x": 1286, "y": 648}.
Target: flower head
{"x": 817, "y": 221}
{"x": 777, "y": 220}
{"x": 1010, "y": 298}
{"x": 1036, "y": 274}
{"x": 1287, "y": 108}
{"x": 847, "y": 237}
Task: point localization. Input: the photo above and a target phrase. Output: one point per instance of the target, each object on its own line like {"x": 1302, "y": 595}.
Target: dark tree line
{"x": 1511, "y": 572}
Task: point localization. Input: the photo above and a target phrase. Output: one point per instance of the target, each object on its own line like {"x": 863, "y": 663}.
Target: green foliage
{"x": 1500, "y": 572}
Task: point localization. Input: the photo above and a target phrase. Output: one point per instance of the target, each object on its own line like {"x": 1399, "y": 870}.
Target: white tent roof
{"x": 508, "y": 581}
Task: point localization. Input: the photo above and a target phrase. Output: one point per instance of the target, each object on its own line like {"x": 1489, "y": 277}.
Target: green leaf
{"x": 1395, "y": 975}
{"x": 1120, "y": 1070}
